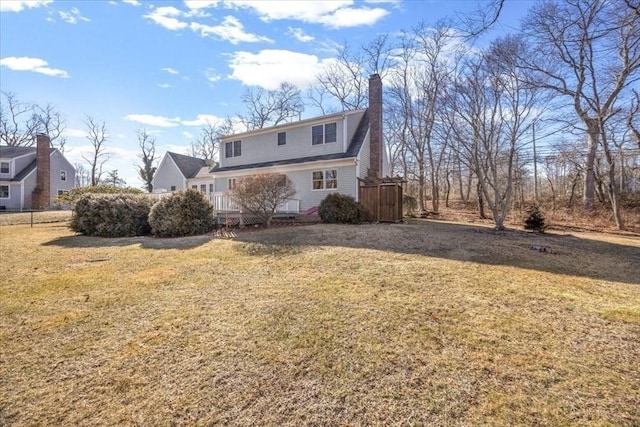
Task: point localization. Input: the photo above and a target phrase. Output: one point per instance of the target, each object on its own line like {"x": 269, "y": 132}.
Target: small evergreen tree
{"x": 534, "y": 220}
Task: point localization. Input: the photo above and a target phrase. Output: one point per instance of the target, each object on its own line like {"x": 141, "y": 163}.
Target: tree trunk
{"x": 593, "y": 134}
{"x": 421, "y": 203}
{"x": 480, "y": 201}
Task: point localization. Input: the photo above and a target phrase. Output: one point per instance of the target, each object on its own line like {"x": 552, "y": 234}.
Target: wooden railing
{"x": 221, "y": 202}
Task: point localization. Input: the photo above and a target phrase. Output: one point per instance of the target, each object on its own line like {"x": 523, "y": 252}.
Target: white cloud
{"x": 200, "y": 4}
{"x": 201, "y": 120}
{"x": 270, "y": 67}
{"x": 188, "y": 135}
{"x": 211, "y": 75}
{"x": 151, "y": 120}
{"x": 353, "y": 17}
{"x": 170, "y": 70}
{"x": 164, "y": 85}
{"x": 299, "y": 35}
{"x": 333, "y": 14}
{"x": 231, "y": 29}
{"x": 132, "y": 2}
{"x": 167, "y": 122}
{"x": 166, "y": 17}
{"x": 36, "y": 65}
{"x": 18, "y": 5}
{"x": 75, "y": 133}
{"x": 73, "y": 16}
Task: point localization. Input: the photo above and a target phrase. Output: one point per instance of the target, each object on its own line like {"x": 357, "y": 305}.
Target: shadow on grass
{"x": 145, "y": 242}
{"x": 554, "y": 253}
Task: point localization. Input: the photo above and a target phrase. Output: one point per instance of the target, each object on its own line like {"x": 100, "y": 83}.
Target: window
{"x": 231, "y": 183}
{"x": 4, "y": 191}
{"x": 203, "y": 188}
{"x": 173, "y": 188}
{"x": 324, "y": 134}
{"x": 210, "y": 188}
{"x": 323, "y": 180}
{"x": 4, "y": 167}
{"x": 195, "y": 187}
{"x": 61, "y": 192}
{"x": 316, "y": 135}
{"x": 232, "y": 149}
{"x": 330, "y": 132}
{"x": 63, "y": 175}
{"x": 282, "y": 138}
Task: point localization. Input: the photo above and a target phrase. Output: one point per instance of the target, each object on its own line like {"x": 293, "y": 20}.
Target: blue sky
{"x": 168, "y": 66}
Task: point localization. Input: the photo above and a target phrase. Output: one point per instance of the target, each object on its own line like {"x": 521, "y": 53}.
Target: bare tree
{"x": 417, "y": 85}
{"x": 147, "y": 155}
{"x": 588, "y": 53}
{"x": 633, "y": 117}
{"x": 492, "y": 110}
{"x": 261, "y": 194}
{"x": 271, "y": 107}
{"x": 345, "y": 80}
{"x": 482, "y": 19}
{"x": 97, "y": 136}
{"x": 20, "y": 122}
{"x": 83, "y": 179}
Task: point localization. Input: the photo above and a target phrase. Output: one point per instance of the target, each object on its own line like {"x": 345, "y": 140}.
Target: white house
{"x": 32, "y": 177}
{"x": 320, "y": 156}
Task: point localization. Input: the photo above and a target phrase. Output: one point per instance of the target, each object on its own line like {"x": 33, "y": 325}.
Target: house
{"x": 32, "y": 177}
{"x": 320, "y": 156}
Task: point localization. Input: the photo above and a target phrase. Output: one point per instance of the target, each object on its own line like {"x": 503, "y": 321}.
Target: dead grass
{"x": 15, "y": 218}
{"x": 409, "y": 324}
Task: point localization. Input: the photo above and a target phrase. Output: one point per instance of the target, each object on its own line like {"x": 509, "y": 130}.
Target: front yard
{"x": 405, "y": 324}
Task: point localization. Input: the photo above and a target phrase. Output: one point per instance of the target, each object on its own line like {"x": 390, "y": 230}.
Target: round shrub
{"x": 183, "y": 213}
{"x": 341, "y": 208}
{"x": 75, "y": 194}
{"x": 112, "y": 215}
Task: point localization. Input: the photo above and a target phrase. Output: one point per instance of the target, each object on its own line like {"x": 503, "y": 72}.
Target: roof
{"x": 189, "y": 166}
{"x": 24, "y": 172}
{"x": 11, "y": 152}
{"x": 352, "y": 151}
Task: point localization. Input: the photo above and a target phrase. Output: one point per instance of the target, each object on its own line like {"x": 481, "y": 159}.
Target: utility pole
{"x": 535, "y": 166}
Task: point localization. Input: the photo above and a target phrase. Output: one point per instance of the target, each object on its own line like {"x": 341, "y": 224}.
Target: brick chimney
{"x": 41, "y": 197}
{"x": 375, "y": 126}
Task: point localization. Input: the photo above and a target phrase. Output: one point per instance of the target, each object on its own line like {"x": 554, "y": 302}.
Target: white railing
{"x": 221, "y": 202}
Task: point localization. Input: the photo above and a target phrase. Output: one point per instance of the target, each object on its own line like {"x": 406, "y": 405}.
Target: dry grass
{"x": 409, "y": 324}
{"x": 15, "y": 218}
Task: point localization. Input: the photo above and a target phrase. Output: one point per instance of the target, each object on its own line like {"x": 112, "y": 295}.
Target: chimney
{"x": 41, "y": 197}
{"x": 375, "y": 126}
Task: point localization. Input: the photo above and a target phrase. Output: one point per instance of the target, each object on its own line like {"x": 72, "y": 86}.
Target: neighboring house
{"x": 175, "y": 171}
{"x": 320, "y": 156}
{"x": 32, "y": 177}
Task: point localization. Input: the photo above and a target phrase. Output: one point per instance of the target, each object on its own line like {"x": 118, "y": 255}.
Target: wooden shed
{"x": 381, "y": 198}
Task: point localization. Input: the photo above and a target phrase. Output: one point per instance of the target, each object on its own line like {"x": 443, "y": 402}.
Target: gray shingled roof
{"x": 352, "y": 151}
{"x": 189, "y": 166}
{"x": 7, "y": 152}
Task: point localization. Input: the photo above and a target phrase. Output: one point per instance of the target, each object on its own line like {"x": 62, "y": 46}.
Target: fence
{"x": 382, "y": 199}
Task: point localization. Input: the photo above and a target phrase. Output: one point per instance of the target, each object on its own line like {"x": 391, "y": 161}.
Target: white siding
{"x": 59, "y": 163}
{"x": 309, "y": 197}
{"x": 364, "y": 159}
{"x": 168, "y": 175}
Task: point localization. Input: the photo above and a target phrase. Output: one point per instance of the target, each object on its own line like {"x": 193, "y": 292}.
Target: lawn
{"x": 427, "y": 323}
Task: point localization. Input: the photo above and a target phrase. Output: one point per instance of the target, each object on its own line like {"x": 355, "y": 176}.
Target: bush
{"x": 112, "y": 215}
{"x": 73, "y": 195}
{"x": 183, "y": 213}
{"x": 341, "y": 208}
{"x": 534, "y": 220}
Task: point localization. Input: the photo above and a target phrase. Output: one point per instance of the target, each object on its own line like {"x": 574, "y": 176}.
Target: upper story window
{"x": 282, "y": 138}
{"x": 324, "y": 134}
{"x": 4, "y": 167}
{"x": 63, "y": 175}
{"x": 232, "y": 149}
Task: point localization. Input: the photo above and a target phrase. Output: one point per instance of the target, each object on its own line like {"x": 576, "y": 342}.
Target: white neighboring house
{"x": 32, "y": 177}
{"x": 320, "y": 156}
